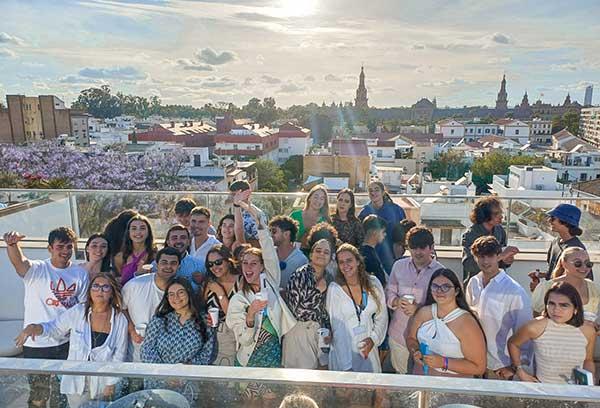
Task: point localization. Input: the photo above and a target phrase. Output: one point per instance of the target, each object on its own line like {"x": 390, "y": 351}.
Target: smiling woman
{"x": 298, "y": 8}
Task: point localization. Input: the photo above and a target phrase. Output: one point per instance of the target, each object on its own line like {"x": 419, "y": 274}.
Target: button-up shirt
{"x": 405, "y": 279}
{"x": 503, "y": 307}
{"x": 203, "y": 249}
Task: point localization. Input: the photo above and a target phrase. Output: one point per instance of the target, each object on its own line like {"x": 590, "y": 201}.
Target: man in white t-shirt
{"x": 202, "y": 241}
{"x": 51, "y": 287}
{"x": 142, "y": 294}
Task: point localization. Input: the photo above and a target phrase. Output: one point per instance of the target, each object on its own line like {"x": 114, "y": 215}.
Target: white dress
{"x": 438, "y": 336}
{"x": 344, "y": 354}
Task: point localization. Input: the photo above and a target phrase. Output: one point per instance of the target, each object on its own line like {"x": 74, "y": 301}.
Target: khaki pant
{"x": 400, "y": 356}
{"x": 301, "y": 346}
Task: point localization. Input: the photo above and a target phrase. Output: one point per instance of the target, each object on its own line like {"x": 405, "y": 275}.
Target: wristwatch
{"x": 517, "y": 367}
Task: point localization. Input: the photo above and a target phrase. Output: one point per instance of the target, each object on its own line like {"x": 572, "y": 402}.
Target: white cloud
{"x": 268, "y": 79}
{"x": 6, "y": 38}
{"x": 309, "y": 78}
{"x": 567, "y": 67}
{"x": 124, "y": 73}
{"x": 7, "y": 53}
{"x": 212, "y": 57}
{"x": 291, "y": 87}
{"x": 214, "y": 82}
{"x": 260, "y": 60}
{"x": 190, "y": 65}
{"x": 332, "y": 78}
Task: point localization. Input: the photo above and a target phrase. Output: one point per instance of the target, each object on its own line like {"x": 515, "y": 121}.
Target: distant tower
{"x": 502, "y": 101}
{"x": 525, "y": 101}
{"x": 589, "y": 90}
{"x": 434, "y": 102}
{"x": 567, "y": 101}
{"x": 361, "y": 101}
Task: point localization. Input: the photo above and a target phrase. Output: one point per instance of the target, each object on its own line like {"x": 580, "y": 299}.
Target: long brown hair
{"x": 559, "y": 269}
{"x": 352, "y": 210}
{"x": 324, "y": 211}
{"x": 150, "y": 247}
{"x": 116, "y": 300}
{"x": 363, "y": 275}
{"x": 250, "y": 251}
{"x": 386, "y": 195}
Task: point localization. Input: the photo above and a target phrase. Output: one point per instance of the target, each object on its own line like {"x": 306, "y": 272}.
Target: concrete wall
{"x": 357, "y": 167}
{"x": 5, "y": 130}
{"x": 15, "y": 110}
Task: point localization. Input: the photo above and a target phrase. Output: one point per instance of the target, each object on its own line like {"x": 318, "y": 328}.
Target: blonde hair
{"x": 298, "y": 401}
{"x": 559, "y": 270}
{"x": 324, "y": 211}
{"x": 363, "y": 275}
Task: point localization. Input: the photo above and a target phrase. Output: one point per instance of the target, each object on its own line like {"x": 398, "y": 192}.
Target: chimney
{"x": 191, "y": 123}
{"x": 172, "y": 124}
{"x": 201, "y": 123}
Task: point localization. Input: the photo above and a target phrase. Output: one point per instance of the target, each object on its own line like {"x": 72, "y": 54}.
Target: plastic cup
{"x": 213, "y": 312}
{"x": 409, "y": 298}
{"x": 147, "y": 268}
{"x": 141, "y": 329}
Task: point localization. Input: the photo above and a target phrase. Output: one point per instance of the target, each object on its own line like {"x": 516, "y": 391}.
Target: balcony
{"x": 35, "y": 212}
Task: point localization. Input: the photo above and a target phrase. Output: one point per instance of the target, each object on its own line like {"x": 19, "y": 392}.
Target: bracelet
{"x": 445, "y": 364}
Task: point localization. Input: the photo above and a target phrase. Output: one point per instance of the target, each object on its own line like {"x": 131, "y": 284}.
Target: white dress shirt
{"x": 503, "y": 307}
{"x": 203, "y": 249}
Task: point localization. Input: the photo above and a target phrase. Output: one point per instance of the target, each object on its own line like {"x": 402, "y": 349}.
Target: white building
{"x": 450, "y": 128}
{"x": 529, "y": 181}
{"x": 294, "y": 140}
{"x": 540, "y": 131}
{"x": 514, "y": 129}
{"x": 573, "y": 159}
{"x": 589, "y": 125}
{"x": 80, "y": 128}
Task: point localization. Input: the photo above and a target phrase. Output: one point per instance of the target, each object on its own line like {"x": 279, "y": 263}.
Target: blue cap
{"x": 567, "y": 213}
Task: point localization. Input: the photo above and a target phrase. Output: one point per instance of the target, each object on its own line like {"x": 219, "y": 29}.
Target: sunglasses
{"x": 445, "y": 288}
{"x": 217, "y": 262}
{"x": 96, "y": 287}
{"x": 579, "y": 264}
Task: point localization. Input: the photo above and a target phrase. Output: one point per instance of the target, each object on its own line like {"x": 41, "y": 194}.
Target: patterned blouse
{"x": 304, "y": 299}
{"x": 350, "y": 231}
{"x": 212, "y": 300}
{"x": 167, "y": 341}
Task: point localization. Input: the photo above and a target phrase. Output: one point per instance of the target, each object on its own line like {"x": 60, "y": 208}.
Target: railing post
{"x": 508, "y": 219}
{"x": 73, "y": 213}
{"x": 423, "y": 399}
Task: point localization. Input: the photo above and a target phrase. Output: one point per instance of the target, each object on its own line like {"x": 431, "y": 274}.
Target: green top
{"x": 297, "y": 215}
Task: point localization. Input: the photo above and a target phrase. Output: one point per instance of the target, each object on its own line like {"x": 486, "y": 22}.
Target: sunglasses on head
{"x": 578, "y": 264}
{"x": 217, "y": 262}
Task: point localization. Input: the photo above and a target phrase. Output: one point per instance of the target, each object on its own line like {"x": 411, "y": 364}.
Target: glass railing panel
{"x": 210, "y": 386}
{"x": 35, "y": 212}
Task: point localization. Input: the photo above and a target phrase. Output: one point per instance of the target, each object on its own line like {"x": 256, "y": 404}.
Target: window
{"x": 487, "y": 131}
{"x": 235, "y": 147}
{"x": 446, "y": 237}
{"x": 516, "y": 131}
{"x": 197, "y": 160}
{"x": 583, "y": 177}
{"x": 379, "y": 153}
{"x": 451, "y": 131}
{"x": 479, "y": 131}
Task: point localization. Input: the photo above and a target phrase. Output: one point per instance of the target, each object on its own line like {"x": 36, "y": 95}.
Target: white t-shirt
{"x": 49, "y": 291}
{"x": 201, "y": 252}
{"x": 141, "y": 297}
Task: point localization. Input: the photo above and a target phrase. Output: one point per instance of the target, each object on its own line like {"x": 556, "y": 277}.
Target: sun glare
{"x": 298, "y": 8}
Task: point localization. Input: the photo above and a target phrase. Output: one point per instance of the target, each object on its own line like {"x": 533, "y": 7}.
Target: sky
{"x": 301, "y": 51}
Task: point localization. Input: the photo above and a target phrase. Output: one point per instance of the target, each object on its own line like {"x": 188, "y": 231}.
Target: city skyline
{"x": 194, "y": 52}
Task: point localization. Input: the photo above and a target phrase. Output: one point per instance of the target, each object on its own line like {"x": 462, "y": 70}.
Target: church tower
{"x": 502, "y": 101}
{"x": 361, "y": 101}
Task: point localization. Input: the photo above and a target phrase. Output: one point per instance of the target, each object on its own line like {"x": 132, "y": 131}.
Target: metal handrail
{"x": 389, "y": 382}
{"x": 298, "y": 194}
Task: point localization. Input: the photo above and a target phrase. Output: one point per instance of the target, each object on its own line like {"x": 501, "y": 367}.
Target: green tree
{"x": 557, "y": 124}
{"x": 270, "y": 176}
{"x": 450, "y": 165}
{"x": 293, "y": 169}
{"x": 98, "y": 102}
{"x": 497, "y": 163}
{"x": 571, "y": 122}
{"x": 372, "y": 124}
{"x": 321, "y": 127}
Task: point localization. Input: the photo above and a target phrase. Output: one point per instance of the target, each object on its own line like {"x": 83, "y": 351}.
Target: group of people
{"x": 313, "y": 290}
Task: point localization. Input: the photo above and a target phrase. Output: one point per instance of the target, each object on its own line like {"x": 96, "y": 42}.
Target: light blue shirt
{"x": 187, "y": 267}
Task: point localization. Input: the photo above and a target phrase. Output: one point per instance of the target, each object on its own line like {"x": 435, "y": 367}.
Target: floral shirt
{"x": 350, "y": 231}
{"x": 304, "y": 299}
{"x": 167, "y": 341}
{"x": 250, "y": 224}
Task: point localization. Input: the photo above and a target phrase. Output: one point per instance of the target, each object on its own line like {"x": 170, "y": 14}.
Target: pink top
{"x": 128, "y": 270}
{"x": 406, "y": 280}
